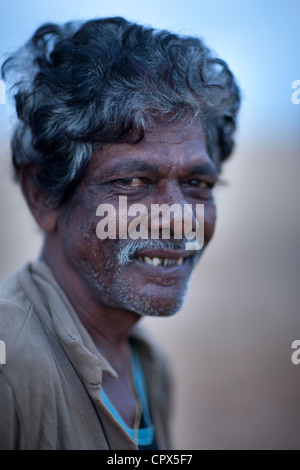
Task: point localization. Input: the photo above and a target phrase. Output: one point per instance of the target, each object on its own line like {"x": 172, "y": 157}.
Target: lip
{"x": 173, "y": 276}
{"x": 164, "y": 275}
{"x": 161, "y": 269}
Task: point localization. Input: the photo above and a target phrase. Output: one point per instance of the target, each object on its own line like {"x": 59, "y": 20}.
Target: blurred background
{"x": 230, "y": 345}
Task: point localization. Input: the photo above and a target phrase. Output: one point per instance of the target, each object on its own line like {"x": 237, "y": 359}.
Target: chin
{"x": 155, "y": 305}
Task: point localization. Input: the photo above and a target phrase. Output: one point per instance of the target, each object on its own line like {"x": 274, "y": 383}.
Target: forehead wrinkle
{"x": 176, "y": 133}
{"x": 130, "y": 166}
{"x": 197, "y": 163}
{"x": 164, "y": 149}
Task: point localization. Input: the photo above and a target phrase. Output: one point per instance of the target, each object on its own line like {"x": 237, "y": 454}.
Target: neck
{"x": 108, "y": 327}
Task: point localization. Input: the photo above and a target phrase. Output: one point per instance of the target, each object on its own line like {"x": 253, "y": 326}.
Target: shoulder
{"x": 21, "y": 333}
{"x": 14, "y": 309}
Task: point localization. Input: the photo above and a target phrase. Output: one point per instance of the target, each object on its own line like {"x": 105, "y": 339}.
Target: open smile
{"x": 165, "y": 258}
{"x": 155, "y": 261}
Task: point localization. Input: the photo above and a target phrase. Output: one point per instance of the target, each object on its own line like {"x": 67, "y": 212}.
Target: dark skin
{"x": 171, "y": 165}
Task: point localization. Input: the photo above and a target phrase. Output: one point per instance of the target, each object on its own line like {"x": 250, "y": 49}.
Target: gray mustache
{"x": 127, "y": 252}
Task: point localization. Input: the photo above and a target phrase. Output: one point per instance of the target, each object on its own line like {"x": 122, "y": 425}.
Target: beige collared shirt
{"x": 50, "y": 386}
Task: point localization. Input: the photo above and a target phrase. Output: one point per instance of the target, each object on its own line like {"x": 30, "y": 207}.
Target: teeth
{"x": 161, "y": 261}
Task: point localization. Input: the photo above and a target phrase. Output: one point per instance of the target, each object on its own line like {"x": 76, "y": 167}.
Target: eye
{"x": 129, "y": 182}
{"x": 198, "y": 188}
{"x": 199, "y": 184}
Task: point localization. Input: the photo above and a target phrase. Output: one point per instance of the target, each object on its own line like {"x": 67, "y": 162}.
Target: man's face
{"x": 170, "y": 166}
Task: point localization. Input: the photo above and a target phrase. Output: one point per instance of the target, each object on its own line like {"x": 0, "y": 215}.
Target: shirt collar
{"x": 59, "y": 317}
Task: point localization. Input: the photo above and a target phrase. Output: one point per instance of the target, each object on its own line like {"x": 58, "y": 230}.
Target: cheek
{"x": 209, "y": 221}
{"x": 79, "y": 232}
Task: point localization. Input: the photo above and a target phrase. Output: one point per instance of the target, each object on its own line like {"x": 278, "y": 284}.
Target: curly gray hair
{"x": 109, "y": 80}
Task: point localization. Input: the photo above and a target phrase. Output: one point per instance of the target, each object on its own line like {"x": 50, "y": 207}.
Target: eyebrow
{"x": 132, "y": 165}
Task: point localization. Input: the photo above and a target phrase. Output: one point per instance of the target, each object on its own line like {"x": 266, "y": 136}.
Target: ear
{"x": 45, "y": 215}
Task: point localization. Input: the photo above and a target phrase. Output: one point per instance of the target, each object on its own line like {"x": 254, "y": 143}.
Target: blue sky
{"x": 258, "y": 38}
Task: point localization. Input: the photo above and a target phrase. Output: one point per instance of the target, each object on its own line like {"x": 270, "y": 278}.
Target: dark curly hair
{"x": 80, "y": 85}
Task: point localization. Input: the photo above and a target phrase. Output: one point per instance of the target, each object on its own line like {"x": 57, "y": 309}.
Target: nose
{"x": 172, "y": 217}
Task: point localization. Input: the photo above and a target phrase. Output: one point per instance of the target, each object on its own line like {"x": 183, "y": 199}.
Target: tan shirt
{"x": 50, "y": 386}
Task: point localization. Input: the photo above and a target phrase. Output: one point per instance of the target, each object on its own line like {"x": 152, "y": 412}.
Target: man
{"x": 109, "y": 112}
